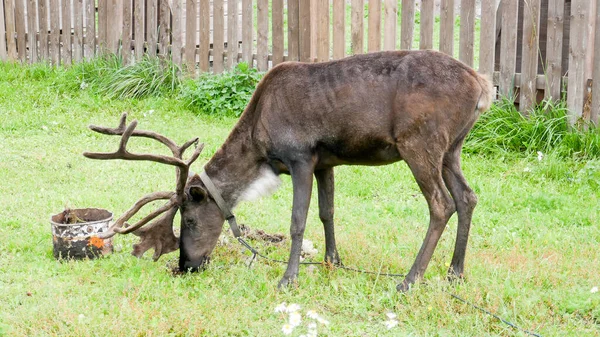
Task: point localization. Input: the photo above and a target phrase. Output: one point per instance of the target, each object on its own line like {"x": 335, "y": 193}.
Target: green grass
{"x": 533, "y": 253}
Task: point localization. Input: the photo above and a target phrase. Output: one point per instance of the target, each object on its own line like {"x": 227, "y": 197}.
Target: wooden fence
{"x": 214, "y": 35}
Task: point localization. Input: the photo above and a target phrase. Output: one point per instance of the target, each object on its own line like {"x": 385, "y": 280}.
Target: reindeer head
{"x": 201, "y": 218}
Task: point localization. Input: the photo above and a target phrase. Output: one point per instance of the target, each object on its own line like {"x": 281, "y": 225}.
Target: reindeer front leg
{"x": 302, "y": 187}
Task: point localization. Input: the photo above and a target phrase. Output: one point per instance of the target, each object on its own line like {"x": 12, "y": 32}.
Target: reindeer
{"x": 305, "y": 119}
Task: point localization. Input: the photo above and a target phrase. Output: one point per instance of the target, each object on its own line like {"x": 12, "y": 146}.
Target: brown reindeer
{"x": 305, "y": 119}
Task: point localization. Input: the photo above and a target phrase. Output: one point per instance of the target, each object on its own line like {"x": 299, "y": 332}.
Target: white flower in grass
{"x": 287, "y": 329}
{"x": 295, "y": 319}
{"x": 312, "y": 326}
{"x": 527, "y": 169}
{"x": 391, "y": 323}
{"x": 281, "y": 308}
{"x": 293, "y": 307}
{"x": 540, "y": 155}
{"x": 312, "y": 314}
{"x": 312, "y": 333}
{"x": 391, "y": 315}
{"x": 594, "y": 290}
{"x": 322, "y": 320}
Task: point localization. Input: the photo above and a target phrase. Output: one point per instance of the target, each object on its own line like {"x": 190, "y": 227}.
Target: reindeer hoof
{"x": 455, "y": 276}
{"x": 404, "y": 286}
{"x": 287, "y": 282}
{"x": 333, "y": 259}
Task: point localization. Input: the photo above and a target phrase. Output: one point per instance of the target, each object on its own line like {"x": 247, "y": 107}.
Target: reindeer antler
{"x": 159, "y": 233}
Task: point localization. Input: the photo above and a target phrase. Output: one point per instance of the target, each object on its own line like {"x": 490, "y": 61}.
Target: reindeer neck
{"x": 238, "y": 166}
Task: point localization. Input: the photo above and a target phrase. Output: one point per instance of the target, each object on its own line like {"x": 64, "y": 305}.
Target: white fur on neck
{"x": 266, "y": 183}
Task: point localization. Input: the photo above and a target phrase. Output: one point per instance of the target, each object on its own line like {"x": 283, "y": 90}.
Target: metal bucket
{"x": 79, "y": 240}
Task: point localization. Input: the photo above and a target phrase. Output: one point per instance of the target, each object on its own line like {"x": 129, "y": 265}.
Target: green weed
{"x": 225, "y": 94}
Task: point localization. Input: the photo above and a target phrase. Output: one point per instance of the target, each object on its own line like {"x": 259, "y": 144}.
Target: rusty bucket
{"x": 75, "y": 233}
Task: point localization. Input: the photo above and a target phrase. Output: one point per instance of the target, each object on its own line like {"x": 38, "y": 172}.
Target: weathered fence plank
{"x": 508, "y": 49}
{"x": 20, "y": 27}
{"x": 55, "y": 32}
{"x": 487, "y": 40}
{"x": 232, "y": 32}
{"x": 374, "y": 43}
{"x": 357, "y": 17}
{"x": 322, "y": 12}
{"x": 43, "y": 33}
{"x": 426, "y": 32}
{"x": 127, "y": 25}
{"x": 407, "y": 26}
{"x": 576, "y": 86}
{"x": 204, "y": 44}
{"x": 247, "y": 31}
{"x": 218, "y": 35}
{"x": 339, "y": 29}
{"x": 3, "y": 53}
{"x": 89, "y": 49}
{"x": 138, "y": 23}
{"x": 262, "y": 36}
{"x": 164, "y": 27}
{"x": 447, "y": 26}
{"x": 67, "y": 47}
{"x": 277, "y": 21}
{"x": 176, "y": 32}
{"x": 529, "y": 58}
{"x": 305, "y": 31}
{"x": 78, "y": 29}
{"x": 151, "y": 26}
{"x": 32, "y": 30}
{"x": 9, "y": 12}
{"x": 293, "y": 30}
{"x": 390, "y": 22}
{"x": 467, "y": 31}
{"x": 595, "y": 110}
{"x": 190, "y": 35}
{"x": 102, "y": 23}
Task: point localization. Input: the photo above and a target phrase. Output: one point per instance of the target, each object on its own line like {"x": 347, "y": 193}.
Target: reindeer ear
{"x": 197, "y": 193}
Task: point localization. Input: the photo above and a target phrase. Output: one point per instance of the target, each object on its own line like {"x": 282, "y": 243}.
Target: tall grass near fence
{"x": 503, "y": 129}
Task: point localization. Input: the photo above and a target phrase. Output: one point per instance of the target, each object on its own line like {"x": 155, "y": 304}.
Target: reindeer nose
{"x": 193, "y": 266}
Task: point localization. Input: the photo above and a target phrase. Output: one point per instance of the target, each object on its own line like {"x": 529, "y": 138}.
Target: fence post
{"x": 277, "y": 21}
{"x": 447, "y": 26}
{"x": 390, "y": 24}
{"x": 78, "y": 33}
{"x": 262, "y": 36}
{"x": 467, "y": 31}
{"x": 55, "y": 32}
{"x": 20, "y": 25}
{"x": 293, "y": 30}
{"x": 487, "y": 40}
{"x": 305, "y": 30}
{"x": 31, "y": 31}
{"x": 529, "y": 60}
{"x": 595, "y": 111}
{"x": 9, "y": 12}
{"x": 339, "y": 23}
{"x": 322, "y": 29}
{"x": 554, "y": 46}
{"x": 426, "y": 27}
{"x": 508, "y": 47}
{"x": 3, "y": 35}
{"x": 576, "y": 87}
{"x": 232, "y": 32}
{"x": 374, "y": 43}
{"x": 127, "y": 17}
{"x": 138, "y": 23}
{"x": 204, "y": 46}
{"x": 176, "y": 32}
{"x": 407, "y": 26}
{"x": 358, "y": 27}
{"x": 190, "y": 35}
{"x": 90, "y": 31}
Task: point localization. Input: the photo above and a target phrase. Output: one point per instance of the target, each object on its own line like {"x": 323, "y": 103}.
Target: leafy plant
{"x": 225, "y": 94}
{"x": 504, "y": 129}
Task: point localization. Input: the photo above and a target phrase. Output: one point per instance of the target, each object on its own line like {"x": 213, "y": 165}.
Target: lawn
{"x": 533, "y": 253}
